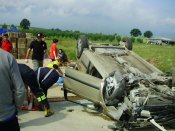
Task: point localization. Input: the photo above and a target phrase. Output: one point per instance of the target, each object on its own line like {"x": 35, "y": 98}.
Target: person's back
{"x": 12, "y": 92}
{"x": 47, "y": 77}
{"x": 29, "y": 78}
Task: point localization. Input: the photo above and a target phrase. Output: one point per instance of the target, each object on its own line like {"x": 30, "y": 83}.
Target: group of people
{"x": 56, "y": 54}
{"x": 15, "y": 78}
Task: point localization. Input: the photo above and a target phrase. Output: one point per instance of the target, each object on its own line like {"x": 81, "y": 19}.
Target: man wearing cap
{"x": 6, "y": 44}
{"x": 39, "y": 48}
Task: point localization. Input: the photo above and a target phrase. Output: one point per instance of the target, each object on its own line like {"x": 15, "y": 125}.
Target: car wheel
{"x": 128, "y": 43}
{"x": 81, "y": 44}
{"x": 114, "y": 88}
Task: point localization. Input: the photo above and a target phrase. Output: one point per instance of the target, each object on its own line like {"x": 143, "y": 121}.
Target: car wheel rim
{"x": 110, "y": 85}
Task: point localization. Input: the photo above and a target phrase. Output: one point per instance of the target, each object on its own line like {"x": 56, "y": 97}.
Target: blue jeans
{"x": 11, "y": 125}
{"x": 60, "y": 81}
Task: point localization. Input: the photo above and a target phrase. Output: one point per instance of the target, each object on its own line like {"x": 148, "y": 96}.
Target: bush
{"x": 139, "y": 40}
{"x": 133, "y": 39}
{"x": 118, "y": 38}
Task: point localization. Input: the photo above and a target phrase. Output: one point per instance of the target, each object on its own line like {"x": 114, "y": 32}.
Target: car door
{"x": 82, "y": 84}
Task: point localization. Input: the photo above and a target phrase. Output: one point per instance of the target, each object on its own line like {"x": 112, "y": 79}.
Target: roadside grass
{"x": 68, "y": 45}
{"x": 162, "y": 57}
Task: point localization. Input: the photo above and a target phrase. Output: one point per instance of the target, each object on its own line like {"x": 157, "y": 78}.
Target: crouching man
{"x": 39, "y": 82}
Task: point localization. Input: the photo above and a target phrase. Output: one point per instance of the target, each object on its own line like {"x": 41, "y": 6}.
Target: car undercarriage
{"x": 127, "y": 88}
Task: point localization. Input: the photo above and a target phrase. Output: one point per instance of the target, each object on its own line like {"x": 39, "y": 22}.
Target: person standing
{"x": 6, "y": 44}
{"x": 12, "y": 92}
{"x": 39, "y": 48}
{"x": 54, "y": 50}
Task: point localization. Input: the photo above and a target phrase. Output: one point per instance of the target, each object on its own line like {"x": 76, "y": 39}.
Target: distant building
{"x": 161, "y": 41}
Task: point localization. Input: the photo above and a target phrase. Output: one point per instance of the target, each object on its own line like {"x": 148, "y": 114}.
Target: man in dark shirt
{"x": 39, "y": 48}
{"x": 46, "y": 77}
{"x": 39, "y": 82}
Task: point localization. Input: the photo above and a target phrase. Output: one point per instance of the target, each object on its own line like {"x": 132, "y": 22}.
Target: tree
{"x": 25, "y": 23}
{"x": 4, "y": 26}
{"x": 57, "y": 29}
{"x": 148, "y": 34}
{"x": 135, "y": 32}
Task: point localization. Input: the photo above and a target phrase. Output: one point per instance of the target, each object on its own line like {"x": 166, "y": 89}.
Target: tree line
{"x": 25, "y": 27}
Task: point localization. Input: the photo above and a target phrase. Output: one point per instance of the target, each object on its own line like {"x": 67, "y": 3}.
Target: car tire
{"x": 128, "y": 43}
{"x": 81, "y": 44}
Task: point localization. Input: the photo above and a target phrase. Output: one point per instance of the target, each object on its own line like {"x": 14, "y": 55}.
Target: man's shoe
{"x": 48, "y": 112}
{"x": 24, "y": 107}
{"x": 35, "y": 108}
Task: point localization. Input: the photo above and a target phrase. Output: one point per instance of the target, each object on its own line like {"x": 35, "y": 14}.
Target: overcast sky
{"x": 96, "y": 16}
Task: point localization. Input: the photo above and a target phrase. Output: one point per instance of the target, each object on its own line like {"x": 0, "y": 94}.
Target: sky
{"x": 94, "y": 16}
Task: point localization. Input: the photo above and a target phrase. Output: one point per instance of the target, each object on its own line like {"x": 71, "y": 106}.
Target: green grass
{"x": 162, "y": 57}
{"x": 68, "y": 45}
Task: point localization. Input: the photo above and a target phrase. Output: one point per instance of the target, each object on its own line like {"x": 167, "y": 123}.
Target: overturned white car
{"x": 126, "y": 87}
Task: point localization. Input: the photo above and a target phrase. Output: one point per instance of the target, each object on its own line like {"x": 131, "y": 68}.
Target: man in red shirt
{"x": 54, "y": 50}
{"x": 6, "y": 44}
